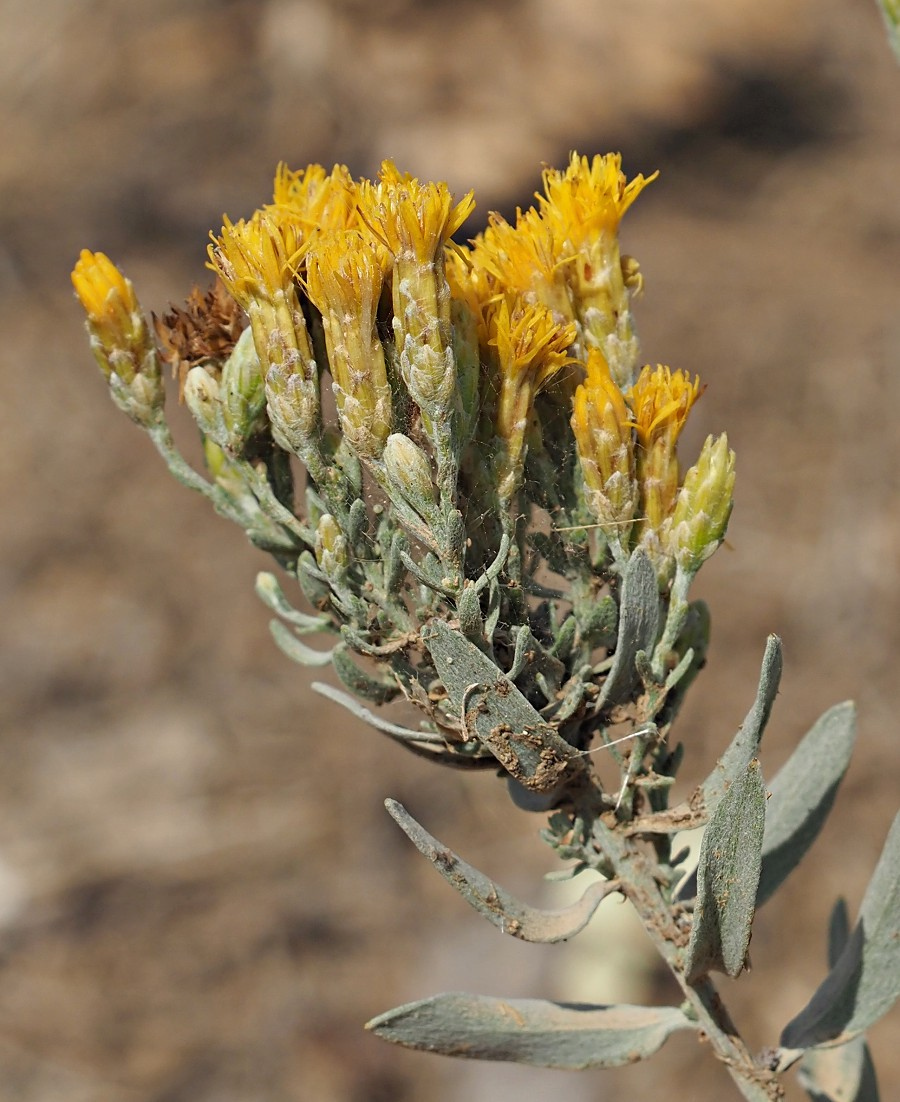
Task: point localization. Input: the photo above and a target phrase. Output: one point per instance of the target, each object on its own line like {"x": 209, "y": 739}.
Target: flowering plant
{"x": 493, "y": 522}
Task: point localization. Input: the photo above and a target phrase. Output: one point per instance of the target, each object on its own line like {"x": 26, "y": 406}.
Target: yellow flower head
{"x": 531, "y": 349}
{"x": 120, "y": 336}
{"x": 254, "y": 258}
{"x": 412, "y": 219}
{"x": 524, "y": 260}
{"x": 106, "y": 295}
{"x": 344, "y": 275}
{"x": 532, "y": 346}
{"x": 599, "y": 407}
{"x": 601, "y": 422}
{"x": 345, "y": 272}
{"x": 589, "y": 198}
{"x": 661, "y": 401}
{"x": 317, "y": 200}
{"x": 582, "y": 208}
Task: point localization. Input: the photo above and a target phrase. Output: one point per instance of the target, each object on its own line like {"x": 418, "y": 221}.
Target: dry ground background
{"x": 201, "y": 896}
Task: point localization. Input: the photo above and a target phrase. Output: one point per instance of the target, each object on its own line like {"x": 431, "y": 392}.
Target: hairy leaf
{"x": 865, "y": 981}
{"x": 802, "y": 793}
{"x": 530, "y": 1031}
{"x": 727, "y": 879}
{"x": 271, "y": 594}
{"x": 744, "y": 746}
{"x": 638, "y": 627}
{"x": 493, "y": 710}
{"x": 506, "y": 912}
{"x": 379, "y": 690}
{"x": 296, "y": 650}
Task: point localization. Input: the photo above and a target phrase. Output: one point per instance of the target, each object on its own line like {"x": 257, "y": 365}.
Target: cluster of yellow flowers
{"x": 490, "y": 346}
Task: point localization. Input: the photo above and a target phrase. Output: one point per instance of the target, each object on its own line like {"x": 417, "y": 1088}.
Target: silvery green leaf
{"x": 468, "y": 612}
{"x": 744, "y": 746}
{"x": 727, "y": 879}
{"x": 503, "y": 910}
{"x": 845, "y": 1073}
{"x": 838, "y": 931}
{"x": 311, "y": 581}
{"x": 493, "y": 710}
{"x": 271, "y": 594}
{"x": 842, "y": 1074}
{"x": 864, "y": 983}
{"x": 401, "y": 734}
{"x": 801, "y": 795}
{"x": 359, "y": 681}
{"x": 638, "y": 627}
{"x": 295, "y": 649}
{"x": 530, "y": 1031}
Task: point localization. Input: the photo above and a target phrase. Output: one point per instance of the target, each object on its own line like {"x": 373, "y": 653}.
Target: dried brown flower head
{"x": 204, "y": 332}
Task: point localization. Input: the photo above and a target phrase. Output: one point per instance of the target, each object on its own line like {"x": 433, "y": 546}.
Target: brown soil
{"x": 201, "y": 896}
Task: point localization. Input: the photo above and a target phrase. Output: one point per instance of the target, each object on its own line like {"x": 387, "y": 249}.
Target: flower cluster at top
{"x": 491, "y": 424}
{"x": 457, "y": 345}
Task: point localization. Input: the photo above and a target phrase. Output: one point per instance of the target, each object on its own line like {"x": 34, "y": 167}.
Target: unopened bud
{"x": 332, "y": 551}
{"x": 409, "y": 473}
{"x": 703, "y": 506}
{"x": 243, "y": 394}
{"x": 120, "y": 337}
{"x": 202, "y": 397}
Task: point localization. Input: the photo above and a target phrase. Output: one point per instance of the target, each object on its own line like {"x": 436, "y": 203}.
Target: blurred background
{"x": 201, "y": 896}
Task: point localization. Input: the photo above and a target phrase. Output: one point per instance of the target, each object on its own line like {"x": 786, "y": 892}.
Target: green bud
{"x": 409, "y": 473}
{"x": 703, "y": 506}
{"x": 203, "y": 399}
{"x": 243, "y": 394}
{"x": 332, "y": 551}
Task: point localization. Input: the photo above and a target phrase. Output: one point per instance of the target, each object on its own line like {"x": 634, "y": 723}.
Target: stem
{"x": 631, "y": 866}
{"x": 678, "y": 610}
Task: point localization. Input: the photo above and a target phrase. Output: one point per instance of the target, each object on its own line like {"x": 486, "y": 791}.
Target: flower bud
{"x": 703, "y": 506}
{"x": 243, "y": 394}
{"x": 409, "y": 473}
{"x": 120, "y": 337}
{"x": 203, "y": 399}
{"x": 332, "y": 551}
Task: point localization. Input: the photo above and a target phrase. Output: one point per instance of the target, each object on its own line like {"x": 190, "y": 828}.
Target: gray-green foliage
{"x": 495, "y": 528}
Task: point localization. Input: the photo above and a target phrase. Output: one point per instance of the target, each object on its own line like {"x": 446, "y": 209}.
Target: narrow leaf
{"x": 530, "y": 1031}
{"x": 802, "y": 793}
{"x": 401, "y": 734}
{"x": 296, "y": 650}
{"x": 500, "y": 908}
{"x": 361, "y": 682}
{"x": 638, "y": 628}
{"x": 745, "y": 744}
{"x": 727, "y": 879}
{"x": 865, "y": 981}
{"x": 271, "y": 594}
{"x": 493, "y": 710}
